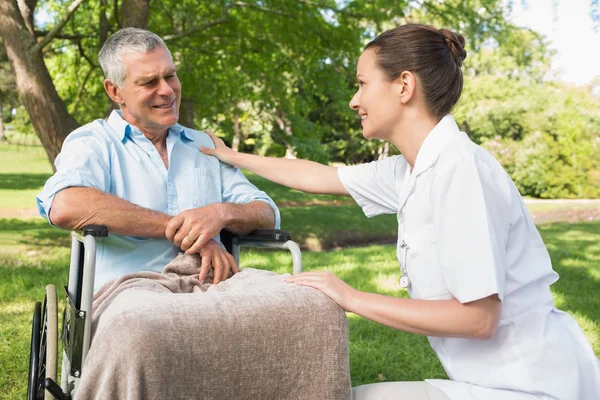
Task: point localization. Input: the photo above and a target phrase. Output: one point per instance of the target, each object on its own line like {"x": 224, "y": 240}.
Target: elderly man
{"x": 170, "y": 335}
{"x": 140, "y": 173}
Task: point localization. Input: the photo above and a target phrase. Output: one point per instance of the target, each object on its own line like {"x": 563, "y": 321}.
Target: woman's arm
{"x": 303, "y": 175}
{"x": 447, "y": 318}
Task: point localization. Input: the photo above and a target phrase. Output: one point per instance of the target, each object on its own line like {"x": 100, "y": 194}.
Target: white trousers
{"x": 398, "y": 391}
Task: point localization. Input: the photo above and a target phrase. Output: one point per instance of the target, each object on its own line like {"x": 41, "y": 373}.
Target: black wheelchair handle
{"x": 95, "y": 230}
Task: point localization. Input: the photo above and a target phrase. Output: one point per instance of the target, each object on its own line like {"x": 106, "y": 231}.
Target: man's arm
{"x": 244, "y": 218}
{"x": 75, "y": 207}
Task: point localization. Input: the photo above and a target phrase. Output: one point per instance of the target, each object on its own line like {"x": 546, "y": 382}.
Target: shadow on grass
{"x": 575, "y": 253}
{"x": 324, "y": 227}
{"x": 23, "y": 181}
{"x": 34, "y": 233}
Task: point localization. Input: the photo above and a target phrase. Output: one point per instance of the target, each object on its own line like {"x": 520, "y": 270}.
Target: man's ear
{"x": 113, "y": 91}
{"x": 406, "y": 84}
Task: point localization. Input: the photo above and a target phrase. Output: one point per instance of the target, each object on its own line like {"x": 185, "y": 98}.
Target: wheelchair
{"x": 76, "y": 321}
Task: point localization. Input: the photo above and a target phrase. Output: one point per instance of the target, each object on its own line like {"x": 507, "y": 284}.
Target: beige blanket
{"x": 168, "y": 336}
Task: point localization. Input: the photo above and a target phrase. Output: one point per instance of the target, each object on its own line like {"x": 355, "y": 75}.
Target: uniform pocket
{"x": 423, "y": 266}
{"x": 205, "y": 188}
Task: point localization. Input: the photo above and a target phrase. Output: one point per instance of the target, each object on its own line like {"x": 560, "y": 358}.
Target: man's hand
{"x": 192, "y": 229}
{"x": 213, "y": 255}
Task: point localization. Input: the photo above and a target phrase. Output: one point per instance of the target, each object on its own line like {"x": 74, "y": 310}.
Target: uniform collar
{"x": 434, "y": 144}
{"x": 430, "y": 150}
{"x": 122, "y": 128}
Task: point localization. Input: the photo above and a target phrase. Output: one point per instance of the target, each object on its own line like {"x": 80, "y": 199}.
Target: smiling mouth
{"x": 165, "y": 105}
{"x": 362, "y": 118}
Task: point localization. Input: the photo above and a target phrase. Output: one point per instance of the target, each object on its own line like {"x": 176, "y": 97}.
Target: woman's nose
{"x": 354, "y": 102}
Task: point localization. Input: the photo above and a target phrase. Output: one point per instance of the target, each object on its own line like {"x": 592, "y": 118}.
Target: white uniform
{"x": 464, "y": 233}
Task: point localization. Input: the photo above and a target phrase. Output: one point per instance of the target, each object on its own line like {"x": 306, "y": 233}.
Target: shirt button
{"x": 401, "y": 219}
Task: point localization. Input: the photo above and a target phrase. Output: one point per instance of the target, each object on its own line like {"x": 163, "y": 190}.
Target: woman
{"x": 471, "y": 258}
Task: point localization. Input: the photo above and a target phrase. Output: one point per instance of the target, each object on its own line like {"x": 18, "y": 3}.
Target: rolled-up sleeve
{"x": 83, "y": 161}
{"x": 237, "y": 189}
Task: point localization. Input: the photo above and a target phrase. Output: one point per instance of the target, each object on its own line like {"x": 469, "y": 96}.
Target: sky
{"x": 570, "y": 31}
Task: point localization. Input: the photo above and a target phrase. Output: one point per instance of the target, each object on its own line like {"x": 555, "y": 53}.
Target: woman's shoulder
{"x": 461, "y": 149}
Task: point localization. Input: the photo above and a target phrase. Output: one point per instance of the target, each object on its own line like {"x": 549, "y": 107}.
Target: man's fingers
{"x": 234, "y": 266}
{"x": 218, "y": 272}
{"x": 173, "y": 226}
{"x": 189, "y": 241}
{"x": 181, "y": 233}
{"x": 204, "y": 268}
{"x": 200, "y": 242}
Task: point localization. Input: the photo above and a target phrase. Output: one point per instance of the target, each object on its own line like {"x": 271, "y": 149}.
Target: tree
{"x": 8, "y": 91}
{"x": 272, "y": 56}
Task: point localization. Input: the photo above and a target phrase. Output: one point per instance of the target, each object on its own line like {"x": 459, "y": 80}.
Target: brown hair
{"x": 434, "y": 55}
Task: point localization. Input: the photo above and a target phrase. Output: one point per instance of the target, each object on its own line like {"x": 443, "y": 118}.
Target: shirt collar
{"x": 434, "y": 144}
{"x": 122, "y": 128}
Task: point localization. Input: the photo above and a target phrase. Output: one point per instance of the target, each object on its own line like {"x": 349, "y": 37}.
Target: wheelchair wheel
{"x": 44, "y": 346}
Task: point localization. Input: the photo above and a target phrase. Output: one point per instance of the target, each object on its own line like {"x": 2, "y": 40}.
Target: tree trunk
{"x": 47, "y": 111}
{"x": 186, "y": 112}
{"x": 237, "y": 133}
{"x": 284, "y": 125}
{"x": 135, "y": 13}
{"x": 1, "y": 122}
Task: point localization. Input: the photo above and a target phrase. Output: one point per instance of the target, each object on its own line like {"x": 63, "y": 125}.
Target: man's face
{"x": 151, "y": 92}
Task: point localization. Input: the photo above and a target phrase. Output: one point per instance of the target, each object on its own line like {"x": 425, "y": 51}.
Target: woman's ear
{"x": 113, "y": 91}
{"x": 406, "y": 84}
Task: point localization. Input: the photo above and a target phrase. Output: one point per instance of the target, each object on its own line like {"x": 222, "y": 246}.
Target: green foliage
{"x": 285, "y": 70}
{"x": 286, "y": 65}
{"x": 546, "y": 134}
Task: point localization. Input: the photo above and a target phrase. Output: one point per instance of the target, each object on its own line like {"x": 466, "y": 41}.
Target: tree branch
{"x": 116, "y": 12}
{"x": 81, "y": 88}
{"x": 57, "y": 28}
{"x": 26, "y": 8}
{"x": 241, "y": 4}
{"x": 326, "y": 7}
{"x": 223, "y": 19}
{"x": 39, "y": 33}
{"x": 82, "y": 52}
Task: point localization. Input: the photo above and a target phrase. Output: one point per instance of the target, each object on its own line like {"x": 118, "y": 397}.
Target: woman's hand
{"x": 221, "y": 151}
{"x": 328, "y": 283}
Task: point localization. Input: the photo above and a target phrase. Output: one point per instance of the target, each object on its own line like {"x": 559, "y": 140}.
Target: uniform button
{"x": 401, "y": 219}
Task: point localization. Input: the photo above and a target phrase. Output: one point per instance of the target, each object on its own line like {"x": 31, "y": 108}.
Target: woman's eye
{"x": 360, "y": 83}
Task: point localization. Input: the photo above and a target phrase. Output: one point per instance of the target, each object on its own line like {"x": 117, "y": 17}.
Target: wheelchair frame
{"x": 79, "y": 293}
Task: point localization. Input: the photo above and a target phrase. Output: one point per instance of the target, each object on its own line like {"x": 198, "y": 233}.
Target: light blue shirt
{"x": 115, "y": 157}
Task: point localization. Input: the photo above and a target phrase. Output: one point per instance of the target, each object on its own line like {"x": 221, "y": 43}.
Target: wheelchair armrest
{"x": 272, "y": 235}
{"x": 95, "y": 230}
{"x": 273, "y": 238}
{"x": 266, "y": 235}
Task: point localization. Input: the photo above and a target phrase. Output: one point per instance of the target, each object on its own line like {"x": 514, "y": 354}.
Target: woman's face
{"x": 377, "y": 99}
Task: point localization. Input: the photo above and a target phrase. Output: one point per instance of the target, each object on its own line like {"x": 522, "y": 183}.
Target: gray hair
{"x": 122, "y": 42}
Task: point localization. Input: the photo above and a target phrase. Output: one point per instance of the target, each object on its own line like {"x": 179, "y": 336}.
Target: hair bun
{"x": 456, "y": 45}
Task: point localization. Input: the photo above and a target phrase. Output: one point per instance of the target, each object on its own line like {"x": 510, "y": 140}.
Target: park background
{"x": 274, "y": 77}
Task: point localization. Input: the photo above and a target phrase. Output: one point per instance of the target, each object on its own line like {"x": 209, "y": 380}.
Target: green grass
{"x": 22, "y": 175}
{"x": 33, "y": 254}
